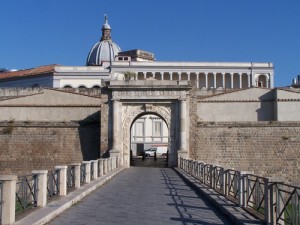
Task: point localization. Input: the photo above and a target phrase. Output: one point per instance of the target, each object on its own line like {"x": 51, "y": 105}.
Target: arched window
{"x": 82, "y": 87}
{"x": 262, "y": 81}
{"x": 96, "y": 86}
{"x": 68, "y": 86}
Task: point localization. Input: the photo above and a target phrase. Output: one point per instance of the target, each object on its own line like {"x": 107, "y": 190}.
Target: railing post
{"x": 100, "y": 161}
{"x": 76, "y": 174}
{"x": 105, "y": 166}
{"x": 41, "y": 187}
{"x": 211, "y": 175}
{"x": 8, "y": 198}
{"x": 62, "y": 179}
{"x": 94, "y": 164}
{"x": 114, "y": 162}
{"x": 267, "y": 207}
{"x": 109, "y": 164}
{"x": 87, "y": 165}
{"x": 275, "y": 202}
{"x": 242, "y": 188}
{"x": 239, "y": 186}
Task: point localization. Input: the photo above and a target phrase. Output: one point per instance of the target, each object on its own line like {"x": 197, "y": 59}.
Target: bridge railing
{"x": 1, "y": 199}
{"x": 53, "y": 183}
{"x": 26, "y": 193}
{"x": 266, "y": 198}
{"x": 18, "y": 194}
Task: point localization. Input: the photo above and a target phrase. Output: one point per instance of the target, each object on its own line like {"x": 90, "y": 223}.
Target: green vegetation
{"x": 128, "y": 75}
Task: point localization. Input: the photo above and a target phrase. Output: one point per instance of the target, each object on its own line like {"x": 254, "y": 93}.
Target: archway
{"x": 169, "y": 100}
{"x": 149, "y": 141}
{"x": 165, "y": 111}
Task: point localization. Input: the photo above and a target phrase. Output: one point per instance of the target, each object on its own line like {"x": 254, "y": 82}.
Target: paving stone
{"x": 143, "y": 195}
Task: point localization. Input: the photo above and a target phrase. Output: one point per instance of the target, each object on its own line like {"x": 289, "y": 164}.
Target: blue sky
{"x": 40, "y": 32}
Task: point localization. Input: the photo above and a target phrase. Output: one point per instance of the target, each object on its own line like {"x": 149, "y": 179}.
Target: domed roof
{"x": 104, "y": 50}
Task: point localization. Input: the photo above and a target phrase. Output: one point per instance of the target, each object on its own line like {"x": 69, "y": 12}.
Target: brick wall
{"x": 27, "y": 146}
{"x": 266, "y": 148}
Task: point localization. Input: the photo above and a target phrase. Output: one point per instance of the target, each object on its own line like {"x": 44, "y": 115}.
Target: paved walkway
{"x": 142, "y": 196}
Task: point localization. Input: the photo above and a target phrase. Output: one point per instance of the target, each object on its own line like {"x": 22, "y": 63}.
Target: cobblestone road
{"x": 142, "y": 196}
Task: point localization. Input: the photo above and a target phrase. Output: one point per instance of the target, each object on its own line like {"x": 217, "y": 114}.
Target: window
{"x": 139, "y": 131}
{"x": 157, "y": 131}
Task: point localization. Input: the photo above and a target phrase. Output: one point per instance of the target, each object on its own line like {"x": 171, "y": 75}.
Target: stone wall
{"x": 265, "y": 148}
{"x": 27, "y": 146}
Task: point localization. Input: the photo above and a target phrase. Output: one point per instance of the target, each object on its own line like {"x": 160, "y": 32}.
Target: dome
{"x": 104, "y": 50}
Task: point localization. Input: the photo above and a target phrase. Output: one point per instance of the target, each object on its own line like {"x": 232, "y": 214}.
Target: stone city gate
{"x": 166, "y": 99}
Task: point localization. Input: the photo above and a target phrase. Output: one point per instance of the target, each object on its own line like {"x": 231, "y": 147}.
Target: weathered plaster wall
{"x": 288, "y": 105}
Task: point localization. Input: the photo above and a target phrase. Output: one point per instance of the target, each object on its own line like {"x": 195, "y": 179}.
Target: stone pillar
{"x": 8, "y": 198}
{"x": 145, "y": 75}
{"x": 115, "y": 151}
{"x": 76, "y": 174}
{"x": 182, "y": 152}
{"x": 197, "y": 78}
{"x": 100, "y": 161}
{"x": 215, "y": 80}
{"x": 179, "y": 76}
{"x": 171, "y": 75}
{"x": 87, "y": 165}
{"x": 162, "y": 76}
{"x": 62, "y": 179}
{"x": 109, "y": 164}
{"x": 223, "y": 80}
{"x": 249, "y": 80}
{"x": 231, "y": 80}
{"x": 267, "y": 81}
{"x": 42, "y": 187}
{"x": 105, "y": 166}
{"x": 241, "y": 76}
{"x": 94, "y": 164}
{"x": 271, "y": 75}
{"x": 206, "y": 80}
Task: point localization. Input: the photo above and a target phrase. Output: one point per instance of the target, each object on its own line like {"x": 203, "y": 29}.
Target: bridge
{"x": 148, "y": 193}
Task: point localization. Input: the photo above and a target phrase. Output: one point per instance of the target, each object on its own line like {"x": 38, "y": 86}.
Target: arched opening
{"x": 149, "y": 141}
{"x": 262, "y": 81}
{"x": 68, "y": 86}
{"x": 82, "y": 87}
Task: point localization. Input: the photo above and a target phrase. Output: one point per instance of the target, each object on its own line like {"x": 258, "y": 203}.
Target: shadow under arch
{"x": 153, "y": 132}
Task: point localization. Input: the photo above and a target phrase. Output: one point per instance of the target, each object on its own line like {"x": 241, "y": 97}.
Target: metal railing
{"x": 272, "y": 202}
{"x": 53, "y": 183}
{"x": 256, "y": 193}
{"x": 70, "y": 178}
{"x": 37, "y": 189}
{"x": 82, "y": 173}
{"x": 286, "y": 204}
{"x": 232, "y": 184}
{"x": 26, "y": 193}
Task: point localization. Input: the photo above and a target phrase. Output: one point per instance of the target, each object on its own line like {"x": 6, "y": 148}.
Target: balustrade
{"x": 18, "y": 194}
{"x": 272, "y": 201}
